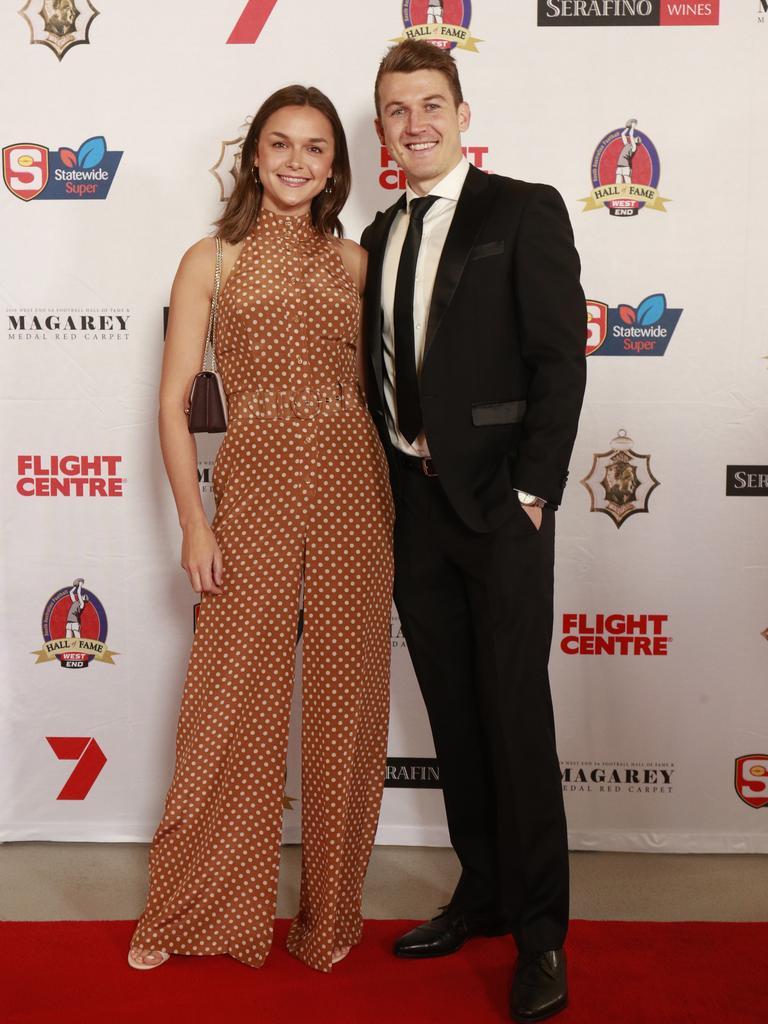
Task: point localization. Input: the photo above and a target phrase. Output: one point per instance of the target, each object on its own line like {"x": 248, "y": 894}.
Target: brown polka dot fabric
{"x": 302, "y": 494}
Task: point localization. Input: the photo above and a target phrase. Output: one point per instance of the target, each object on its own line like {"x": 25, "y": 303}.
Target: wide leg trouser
{"x": 476, "y": 612}
{"x": 215, "y": 856}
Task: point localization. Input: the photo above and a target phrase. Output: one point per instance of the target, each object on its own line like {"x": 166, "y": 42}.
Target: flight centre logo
{"x": 752, "y": 779}
{"x": 74, "y": 628}
{"x": 620, "y": 482}
{"x": 576, "y": 13}
{"x": 59, "y": 24}
{"x": 633, "y": 635}
{"x": 392, "y": 177}
{"x": 32, "y": 171}
{"x": 625, "y": 330}
{"x": 625, "y": 174}
{"x": 69, "y": 476}
{"x": 444, "y": 23}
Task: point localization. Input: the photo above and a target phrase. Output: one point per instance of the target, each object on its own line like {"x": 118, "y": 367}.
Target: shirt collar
{"x": 448, "y": 187}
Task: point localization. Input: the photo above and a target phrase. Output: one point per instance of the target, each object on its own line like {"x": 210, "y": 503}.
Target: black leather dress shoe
{"x": 445, "y": 934}
{"x": 540, "y": 986}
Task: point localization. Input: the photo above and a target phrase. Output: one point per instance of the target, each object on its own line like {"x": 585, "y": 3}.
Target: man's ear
{"x": 379, "y": 130}
{"x": 465, "y": 116}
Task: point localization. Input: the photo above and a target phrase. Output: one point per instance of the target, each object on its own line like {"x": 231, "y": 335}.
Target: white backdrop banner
{"x": 119, "y": 133}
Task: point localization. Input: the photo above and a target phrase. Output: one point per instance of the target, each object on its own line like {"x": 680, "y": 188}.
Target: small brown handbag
{"x": 206, "y": 408}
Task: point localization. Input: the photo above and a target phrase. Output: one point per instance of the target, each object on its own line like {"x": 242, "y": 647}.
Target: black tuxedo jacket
{"x": 504, "y": 364}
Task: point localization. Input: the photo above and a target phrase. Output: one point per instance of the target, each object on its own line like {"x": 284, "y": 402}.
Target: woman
{"x": 302, "y": 497}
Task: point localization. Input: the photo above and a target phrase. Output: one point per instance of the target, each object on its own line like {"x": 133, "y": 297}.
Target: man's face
{"x": 421, "y": 125}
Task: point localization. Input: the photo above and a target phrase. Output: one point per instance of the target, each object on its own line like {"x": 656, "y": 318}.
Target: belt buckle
{"x": 427, "y": 465}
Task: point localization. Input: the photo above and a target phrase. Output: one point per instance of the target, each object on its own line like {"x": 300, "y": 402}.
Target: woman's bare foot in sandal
{"x": 146, "y": 959}
{"x": 339, "y": 953}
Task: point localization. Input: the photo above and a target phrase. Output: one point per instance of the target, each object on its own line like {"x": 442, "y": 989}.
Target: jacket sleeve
{"x": 552, "y": 325}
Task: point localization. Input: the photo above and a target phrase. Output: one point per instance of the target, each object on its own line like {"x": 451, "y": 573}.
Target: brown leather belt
{"x": 416, "y": 464}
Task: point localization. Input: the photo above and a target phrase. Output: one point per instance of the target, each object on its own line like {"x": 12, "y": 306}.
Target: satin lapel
{"x": 471, "y": 211}
{"x": 373, "y": 292}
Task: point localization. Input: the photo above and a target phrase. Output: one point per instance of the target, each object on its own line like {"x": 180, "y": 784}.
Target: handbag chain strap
{"x": 210, "y": 338}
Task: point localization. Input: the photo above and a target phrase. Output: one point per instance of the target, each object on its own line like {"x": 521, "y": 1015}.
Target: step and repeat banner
{"x": 120, "y": 131}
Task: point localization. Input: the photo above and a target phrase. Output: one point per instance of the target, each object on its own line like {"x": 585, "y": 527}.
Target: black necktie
{"x": 406, "y": 378}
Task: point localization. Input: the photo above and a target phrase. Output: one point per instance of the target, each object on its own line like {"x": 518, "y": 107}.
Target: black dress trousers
{"x": 476, "y": 612}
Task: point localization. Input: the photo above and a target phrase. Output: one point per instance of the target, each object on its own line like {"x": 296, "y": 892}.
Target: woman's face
{"x": 295, "y": 158}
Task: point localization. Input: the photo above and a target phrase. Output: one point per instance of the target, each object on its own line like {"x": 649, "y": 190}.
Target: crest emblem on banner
{"x": 74, "y": 628}
{"x": 59, "y": 24}
{"x": 227, "y": 167}
{"x": 444, "y": 23}
{"x": 25, "y": 169}
{"x": 625, "y": 173}
{"x": 752, "y": 779}
{"x": 620, "y": 482}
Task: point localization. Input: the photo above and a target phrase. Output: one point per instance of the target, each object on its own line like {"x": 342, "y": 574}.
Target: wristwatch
{"x": 530, "y": 499}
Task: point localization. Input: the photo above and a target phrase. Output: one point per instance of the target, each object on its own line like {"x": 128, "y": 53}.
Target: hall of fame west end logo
{"x": 625, "y": 173}
{"x": 444, "y": 23}
{"x": 620, "y": 481}
{"x": 59, "y": 24}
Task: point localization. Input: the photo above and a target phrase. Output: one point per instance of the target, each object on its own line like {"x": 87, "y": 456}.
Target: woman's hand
{"x": 201, "y": 558}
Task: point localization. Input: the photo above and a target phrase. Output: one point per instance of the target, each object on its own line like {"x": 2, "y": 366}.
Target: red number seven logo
{"x": 252, "y": 21}
{"x": 90, "y": 760}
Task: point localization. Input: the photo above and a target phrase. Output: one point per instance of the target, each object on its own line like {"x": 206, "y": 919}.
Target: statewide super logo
{"x": 444, "y": 23}
{"x": 32, "y": 171}
{"x": 75, "y": 628}
{"x": 620, "y": 481}
{"x": 625, "y": 173}
{"x": 627, "y": 330}
{"x": 59, "y": 24}
{"x": 752, "y": 779}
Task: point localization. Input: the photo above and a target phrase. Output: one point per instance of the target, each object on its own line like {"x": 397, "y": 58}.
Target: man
{"x": 628, "y": 149}
{"x": 475, "y": 330}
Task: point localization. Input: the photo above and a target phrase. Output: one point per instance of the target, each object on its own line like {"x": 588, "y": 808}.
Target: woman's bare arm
{"x": 187, "y": 324}
{"x": 355, "y": 259}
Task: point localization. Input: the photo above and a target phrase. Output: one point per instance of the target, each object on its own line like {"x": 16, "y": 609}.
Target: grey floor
{"x": 97, "y": 881}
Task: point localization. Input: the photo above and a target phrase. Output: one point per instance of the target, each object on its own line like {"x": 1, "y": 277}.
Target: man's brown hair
{"x": 416, "y": 55}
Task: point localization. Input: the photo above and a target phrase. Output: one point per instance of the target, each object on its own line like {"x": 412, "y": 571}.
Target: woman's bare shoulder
{"x": 355, "y": 259}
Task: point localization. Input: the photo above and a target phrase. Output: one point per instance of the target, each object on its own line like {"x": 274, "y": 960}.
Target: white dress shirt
{"x": 436, "y": 224}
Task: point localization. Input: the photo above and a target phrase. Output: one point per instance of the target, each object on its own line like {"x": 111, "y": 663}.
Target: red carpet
{"x": 74, "y": 972}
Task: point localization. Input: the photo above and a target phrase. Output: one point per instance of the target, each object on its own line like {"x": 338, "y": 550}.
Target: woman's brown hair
{"x": 244, "y": 204}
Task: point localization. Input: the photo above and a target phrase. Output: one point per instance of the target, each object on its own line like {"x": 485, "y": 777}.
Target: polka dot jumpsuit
{"x": 302, "y": 493}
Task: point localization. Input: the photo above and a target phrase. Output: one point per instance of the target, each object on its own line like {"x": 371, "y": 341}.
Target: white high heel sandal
{"x": 139, "y": 966}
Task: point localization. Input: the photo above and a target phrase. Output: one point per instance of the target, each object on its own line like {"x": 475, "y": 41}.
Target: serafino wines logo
{"x": 74, "y": 628}
{"x": 412, "y": 773}
{"x": 625, "y": 635}
{"x": 444, "y": 23}
{"x": 752, "y": 779}
{"x": 625, "y": 173}
{"x": 32, "y": 171}
{"x": 252, "y": 20}
{"x": 626, "y": 331}
{"x": 90, "y": 760}
{"x": 69, "y": 476}
{"x": 620, "y": 482}
{"x": 597, "y": 13}
{"x": 391, "y": 177}
{"x": 58, "y": 24}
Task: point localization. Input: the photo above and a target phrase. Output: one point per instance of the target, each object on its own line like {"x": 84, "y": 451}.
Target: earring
{"x": 330, "y": 185}
{"x": 255, "y": 174}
